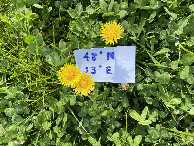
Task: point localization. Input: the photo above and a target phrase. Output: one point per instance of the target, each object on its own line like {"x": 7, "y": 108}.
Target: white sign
{"x": 109, "y": 64}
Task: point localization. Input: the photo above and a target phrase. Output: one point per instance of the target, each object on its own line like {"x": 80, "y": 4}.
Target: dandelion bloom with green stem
{"x": 85, "y": 84}
{"x": 111, "y": 32}
{"x": 69, "y": 75}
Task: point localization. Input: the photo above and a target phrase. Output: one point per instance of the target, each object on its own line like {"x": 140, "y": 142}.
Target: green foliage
{"x": 141, "y": 118}
{"x": 37, "y": 37}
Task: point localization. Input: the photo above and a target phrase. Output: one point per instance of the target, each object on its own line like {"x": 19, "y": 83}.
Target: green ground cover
{"x": 37, "y": 37}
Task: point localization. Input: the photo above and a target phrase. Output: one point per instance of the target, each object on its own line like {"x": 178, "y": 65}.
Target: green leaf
{"x": 86, "y": 122}
{"x": 46, "y": 125}
{"x": 29, "y": 39}
{"x": 190, "y": 43}
{"x": 13, "y": 127}
{"x": 139, "y": 86}
{"x": 175, "y": 100}
{"x": 151, "y": 139}
{"x": 122, "y": 13}
{"x": 174, "y": 65}
{"x": 9, "y": 112}
{"x": 190, "y": 79}
{"x": 14, "y": 143}
{"x": 17, "y": 118}
{"x": 134, "y": 29}
{"x": 1, "y": 131}
{"x": 4, "y": 140}
{"x": 103, "y": 6}
{"x": 123, "y": 5}
{"x": 146, "y": 122}
{"x": 117, "y": 124}
{"x": 152, "y": 16}
{"x": 29, "y": 127}
{"x": 137, "y": 140}
{"x": 38, "y": 6}
{"x": 34, "y": 16}
{"x": 184, "y": 73}
{"x": 72, "y": 100}
{"x": 4, "y": 18}
{"x": 59, "y": 119}
{"x": 187, "y": 59}
{"x": 115, "y": 138}
{"x": 125, "y": 25}
{"x": 11, "y": 133}
{"x": 181, "y": 24}
{"x": 165, "y": 133}
{"x": 44, "y": 50}
{"x": 40, "y": 119}
{"x": 32, "y": 48}
{"x": 141, "y": 3}
{"x": 125, "y": 101}
{"x": 153, "y": 115}
{"x": 154, "y": 132}
{"x": 54, "y": 59}
{"x": 163, "y": 50}
{"x": 104, "y": 113}
{"x": 162, "y": 78}
{"x": 130, "y": 140}
{"x": 110, "y": 6}
{"x": 64, "y": 119}
{"x": 141, "y": 26}
{"x": 62, "y": 46}
{"x": 90, "y": 10}
{"x": 135, "y": 115}
{"x": 79, "y": 9}
{"x": 173, "y": 15}
{"x": 108, "y": 14}
{"x": 75, "y": 13}
{"x": 191, "y": 112}
{"x": 154, "y": 60}
{"x": 93, "y": 141}
{"x": 149, "y": 100}
{"x": 144, "y": 113}
{"x": 37, "y": 36}
{"x": 95, "y": 120}
{"x": 104, "y": 94}
{"x": 163, "y": 34}
{"x": 191, "y": 7}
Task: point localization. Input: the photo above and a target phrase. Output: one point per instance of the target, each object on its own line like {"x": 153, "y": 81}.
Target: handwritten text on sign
{"x": 109, "y": 64}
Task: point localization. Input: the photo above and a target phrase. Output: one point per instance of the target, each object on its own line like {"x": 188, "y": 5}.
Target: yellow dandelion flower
{"x": 85, "y": 84}
{"x": 69, "y": 75}
{"x": 111, "y": 32}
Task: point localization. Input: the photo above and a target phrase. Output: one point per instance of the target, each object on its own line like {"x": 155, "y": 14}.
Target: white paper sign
{"x": 109, "y": 64}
